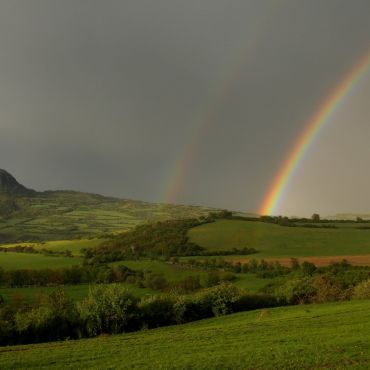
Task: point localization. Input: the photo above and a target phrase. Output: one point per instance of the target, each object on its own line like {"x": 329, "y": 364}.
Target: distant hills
{"x": 8, "y": 184}
{"x": 28, "y": 215}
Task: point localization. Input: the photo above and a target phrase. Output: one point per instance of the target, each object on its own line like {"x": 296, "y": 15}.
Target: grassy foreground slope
{"x": 335, "y": 336}
{"x": 277, "y": 241}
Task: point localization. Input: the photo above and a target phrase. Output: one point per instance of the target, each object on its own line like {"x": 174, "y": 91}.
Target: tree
{"x": 108, "y": 309}
{"x": 315, "y": 217}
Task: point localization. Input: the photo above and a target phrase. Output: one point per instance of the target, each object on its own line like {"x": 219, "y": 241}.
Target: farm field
{"x": 12, "y": 261}
{"x": 73, "y": 246}
{"x": 75, "y": 292}
{"x": 170, "y": 272}
{"x": 332, "y": 336}
{"x": 278, "y": 241}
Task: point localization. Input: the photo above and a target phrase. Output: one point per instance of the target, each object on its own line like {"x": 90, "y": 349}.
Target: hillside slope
{"x": 332, "y": 336}
{"x": 279, "y": 241}
{"x": 27, "y": 215}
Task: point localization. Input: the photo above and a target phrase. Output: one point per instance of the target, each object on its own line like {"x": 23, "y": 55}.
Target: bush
{"x": 328, "y": 289}
{"x": 298, "y": 291}
{"x": 254, "y": 301}
{"x": 222, "y": 298}
{"x": 362, "y": 290}
{"x": 187, "y": 285}
{"x": 55, "y": 318}
{"x": 155, "y": 281}
{"x": 160, "y": 311}
{"x": 109, "y": 309}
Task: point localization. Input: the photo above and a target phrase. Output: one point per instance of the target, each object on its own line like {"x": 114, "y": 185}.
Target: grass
{"x": 276, "y": 241}
{"x": 170, "y": 272}
{"x": 13, "y": 261}
{"x": 330, "y": 336}
{"x": 74, "y": 246}
{"x": 57, "y": 215}
{"x": 251, "y": 283}
{"x": 75, "y": 292}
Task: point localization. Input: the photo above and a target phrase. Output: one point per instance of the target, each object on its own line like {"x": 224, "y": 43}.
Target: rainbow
{"x": 182, "y": 163}
{"x": 312, "y": 130}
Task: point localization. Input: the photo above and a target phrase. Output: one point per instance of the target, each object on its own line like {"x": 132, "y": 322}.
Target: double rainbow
{"x": 313, "y": 128}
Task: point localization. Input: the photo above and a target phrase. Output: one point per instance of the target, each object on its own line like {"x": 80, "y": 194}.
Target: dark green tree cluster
{"x": 167, "y": 238}
{"x": 67, "y": 276}
{"x": 112, "y": 309}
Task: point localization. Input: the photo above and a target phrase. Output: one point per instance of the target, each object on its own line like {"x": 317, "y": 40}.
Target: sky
{"x": 195, "y": 102}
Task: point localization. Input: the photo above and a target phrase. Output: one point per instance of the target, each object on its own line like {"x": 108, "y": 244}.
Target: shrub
{"x": 55, "y": 318}
{"x": 298, "y": 291}
{"x": 156, "y": 281}
{"x": 109, "y": 309}
{"x": 187, "y": 285}
{"x": 362, "y": 290}
{"x": 248, "y": 302}
{"x": 222, "y": 298}
{"x": 328, "y": 289}
{"x": 159, "y": 311}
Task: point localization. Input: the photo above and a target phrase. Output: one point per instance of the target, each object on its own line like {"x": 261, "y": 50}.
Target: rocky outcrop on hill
{"x": 9, "y": 185}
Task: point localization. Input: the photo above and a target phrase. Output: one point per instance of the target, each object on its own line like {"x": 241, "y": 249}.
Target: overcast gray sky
{"x": 109, "y": 97}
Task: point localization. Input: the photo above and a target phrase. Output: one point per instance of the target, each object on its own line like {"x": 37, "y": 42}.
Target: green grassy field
{"x": 74, "y": 246}
{"x": 276, "y": 241}
{"x": 326, "y": 336}
{"x": 75, "y": 292}
{"x": 170, "y": 272}
{"x": 13, "y": 261}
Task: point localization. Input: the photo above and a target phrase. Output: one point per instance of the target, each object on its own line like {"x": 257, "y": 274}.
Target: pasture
{"x": 170, "y": 272}
{"x": 73, "y": 246}
{"x": 272, "y": 240}
{"x": 75, "y": 292}
{"x": 14, "y": 261}
{"x": 332, "y": 336}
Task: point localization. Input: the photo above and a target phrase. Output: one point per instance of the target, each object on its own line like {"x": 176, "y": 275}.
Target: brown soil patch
{"x": 319, "y": 261}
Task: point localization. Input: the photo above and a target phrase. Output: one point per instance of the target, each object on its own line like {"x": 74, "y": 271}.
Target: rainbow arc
{"x": 314, "y": 126}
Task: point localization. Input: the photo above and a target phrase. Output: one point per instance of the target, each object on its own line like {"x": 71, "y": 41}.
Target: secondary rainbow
{"x": 313, "y": 128}
{"x": 175, "y": 179}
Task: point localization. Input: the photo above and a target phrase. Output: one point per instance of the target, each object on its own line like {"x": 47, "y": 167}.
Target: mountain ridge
{"x": 29, "y": 215}
{"x": 9, "y": 184}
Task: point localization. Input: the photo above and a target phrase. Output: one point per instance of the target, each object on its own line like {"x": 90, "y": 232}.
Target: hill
{"x": 333, "y": 336}
{"x": 9, "y": 185}
{"x": 27, "y": 215}
{"x": 273, "y": 240}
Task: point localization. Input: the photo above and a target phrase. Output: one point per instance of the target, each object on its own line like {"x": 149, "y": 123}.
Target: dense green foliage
{"x": 66, "y": 276}
{"x": 154, "y": 239}
{"x": 333, "y": 336}
{"x": 112, "y": 309}
{"x": 159, "y": 239}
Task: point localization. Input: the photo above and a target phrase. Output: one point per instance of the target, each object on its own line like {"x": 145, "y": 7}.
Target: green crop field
{"x": 74, "y": 246}
{"x": 75, "y": 292}
{"x": 170, "y": 272}
{"x": 330, "y": 336}
{"x": 277, "y": 241}
{"x": 13, "y": 261}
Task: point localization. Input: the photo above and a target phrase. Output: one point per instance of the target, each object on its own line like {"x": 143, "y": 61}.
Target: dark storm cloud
{"x": 103, "y": 95}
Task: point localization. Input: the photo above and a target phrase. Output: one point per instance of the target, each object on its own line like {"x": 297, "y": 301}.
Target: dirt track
{"x": 321, "y": 261}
